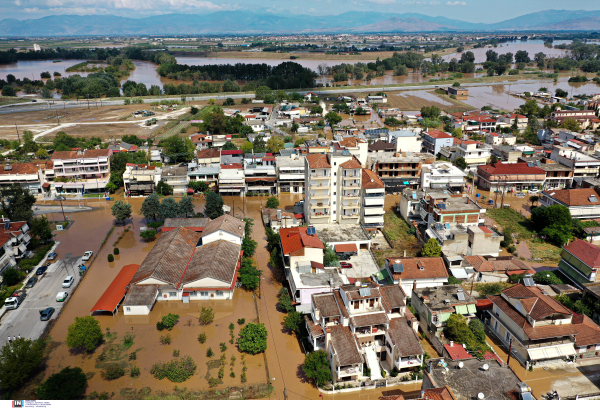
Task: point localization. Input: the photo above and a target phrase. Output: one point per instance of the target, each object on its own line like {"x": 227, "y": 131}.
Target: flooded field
{"x": 414, "y": 100}
{"x": 532, "y": 47}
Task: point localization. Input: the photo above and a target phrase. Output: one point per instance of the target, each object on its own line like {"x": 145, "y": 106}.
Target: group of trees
{"x": 554, "y": 223}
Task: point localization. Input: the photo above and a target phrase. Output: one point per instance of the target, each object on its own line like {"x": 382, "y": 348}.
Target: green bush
{"x": 148, "y": 235}
{"x": 209, "y": 352}
{"x": 12, "y": 276}
{"x": 116, "y": 251}
{"x": 67, "y": 384}
{"x": 454, "y": 281}
{"x": 160, "y": 326}
{"x": 176, "y": 370}
{"x": 128, "y": 339}
{"x": 547, "y": 278}
{"x": 202, "y": 338}
{"x": 113, "y": 372}
{"x": 176, "y": 353}
{"x": 253, "y": 338}
{"x": 111, "y": 258}
{"x": 223, "y": 347}
{"x": 155, "y": 224}
{"x": 170, "y": 320}
{"x": 134, "y": 372}
{"x": 241, "y": 321}
{"x": 165, "y": 340}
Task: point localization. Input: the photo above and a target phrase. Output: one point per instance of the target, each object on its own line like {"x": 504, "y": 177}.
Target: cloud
{"x": 456, "y": 3}
{"x": 421, "y": 3}
{"x": 382, "y": 1}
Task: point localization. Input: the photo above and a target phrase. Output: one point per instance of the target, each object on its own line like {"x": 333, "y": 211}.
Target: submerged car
{"x": 46, "y": 314}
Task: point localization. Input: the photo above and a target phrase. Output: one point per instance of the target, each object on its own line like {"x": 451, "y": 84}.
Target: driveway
{"x": 25, "y": 321}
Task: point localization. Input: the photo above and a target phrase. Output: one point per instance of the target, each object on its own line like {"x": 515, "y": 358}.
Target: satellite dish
{"x": 486, "y": 367}
{"x": 480, "y": 396}
{"x": 461, "y": 364}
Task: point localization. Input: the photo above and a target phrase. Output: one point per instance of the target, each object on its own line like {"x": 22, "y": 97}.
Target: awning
{"x": 116, "y": 291}
{"x": 57, "y": 185}
{"x": 46, "y": 185}
{"x": 346, "y": 248}
{"x": 563, "y": 350}
{"x": 459, "y": 273}
{"x": 190, "y": 191}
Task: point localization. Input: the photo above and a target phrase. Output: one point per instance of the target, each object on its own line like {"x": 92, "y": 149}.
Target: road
{"x": 58, "y": 104}
{"x": 25, "y": 321}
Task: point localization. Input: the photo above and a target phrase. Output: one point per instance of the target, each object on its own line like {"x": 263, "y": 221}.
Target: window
{"x": 204, "y": 294}
{"x": 172, "y": 294}
{"x": 219, "y": 293}
{"x": 128, "y": 309}
{"x": 193, "y": 293}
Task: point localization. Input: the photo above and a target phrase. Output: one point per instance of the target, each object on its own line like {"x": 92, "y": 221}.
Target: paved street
{"x": 25, "y": 321}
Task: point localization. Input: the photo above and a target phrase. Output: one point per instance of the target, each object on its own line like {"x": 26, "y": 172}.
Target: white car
{"x": 61, "y": 296}
{"x": 87, "y": 255}
{"x": 534, "y": 191}
{"x": 68, "y": 282}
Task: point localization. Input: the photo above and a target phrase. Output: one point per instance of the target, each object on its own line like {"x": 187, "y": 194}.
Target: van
{"x": 15, "y": 300}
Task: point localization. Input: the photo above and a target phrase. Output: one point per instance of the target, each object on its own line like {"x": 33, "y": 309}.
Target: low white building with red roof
{"x": 580, "y": 262}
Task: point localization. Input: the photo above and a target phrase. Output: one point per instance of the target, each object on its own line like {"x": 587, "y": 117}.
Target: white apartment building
{"x": 13, "y": 242}
{"x": 141, "y": 179}
{"x": 232, "y": 180}
{"x": 508, "y": 120}
{"x": 500, "y": 139}
{"x": 357, "y": 147}
{"x": 583, "y": 165}
{"x": 261, "y": 177}
{"x": 373, "y": 200}
{"x": 33, "y": 176}
{"x": 473, "y": 152}
{"x": 176, "y": 177}
{"x": 406, "y": 140}
{"x": 333, "y": 188}
{"x": 290, "y": 174}
{"x": 85, "y": 171}
{"x": 442, "y": 175}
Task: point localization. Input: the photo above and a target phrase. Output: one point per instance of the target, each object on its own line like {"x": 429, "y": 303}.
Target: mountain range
{"x": 246, "y": 22}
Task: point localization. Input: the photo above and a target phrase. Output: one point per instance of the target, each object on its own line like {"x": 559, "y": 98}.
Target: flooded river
{"x": 531, "y": 46}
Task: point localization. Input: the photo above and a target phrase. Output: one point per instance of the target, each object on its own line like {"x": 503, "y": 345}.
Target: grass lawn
{"x": 509, "y": 218}
{"x": 397, "y": 232}
{"x": 544, "y": 252}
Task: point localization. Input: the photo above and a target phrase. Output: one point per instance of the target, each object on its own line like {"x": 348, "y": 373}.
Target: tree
{"x": 316, "y": 110}
{"x": 150, "y": 207}
{"x": 522, "y": 56}
{"x": 330, "y": 258}
{"x": 253, "y": 338}
{"x": 193, "y": 110}
{"x": 560, "y": 93}
{"x": 458, "y": 330}
{"x": 121, "y": 211}
{"x": 19, "y": 360}
{"x": 214, "y": 205}
{"x": 333, "y": 118}
{"x": 458, "y": 133}
{"x": 163, "y": 188}
{"x": 294, "y": 127}
{"x": 272, "y": 202}
{"x": 534, "y": 199}
{"x": 16, "y": 202}
{"x": 148, "y": 235}
{"x": 40, "y": 228}
{"x": 554, "y": 223}
{"x": 168, "y": 208}
{"x": 12, "y": 276}
{"x": 41, "y": 153}
{"x": 85, "y": 333}
{"x": 432, "y": 248}
{"x": 430, "y": 112}
{"x": 207, "y": 315}
{"x": 68, "y": 384}
{"x": 529, "y": 108}
{"x": 29, "y": 145}
{"x": 198, "y": 186}
{"x": 249, "y": 274}
{"x": 461, "y": 163}
{"x": 293, "y": 321}
{"x": 229, "y": 146}
{"x": 571, "y": 124}
{"x": 8, "y": 90}
{"x": 186, "y": 206}
{"x": 285, "y": 302}
{"x": 317, "y": 368}
{"x": 547, "y": 278}
{"x": 247, "y": 147}
{"x": 478, "y": 330}
{"x": 259, "y": 145}
{"x": 248, "y": 244}
{"x": 274, "y": 144}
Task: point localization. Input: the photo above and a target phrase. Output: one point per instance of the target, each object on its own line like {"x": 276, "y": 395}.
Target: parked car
{"x": 68, "y": 282}
{"x": 15, "y": 300}
{"x": 534, "y": 191}
{"x": 61, "y": 296}
{"x": 31, "y": 282}
{"x": 521, "y": 195}
{"x": 41, "y": 270}
{"x": 344, "y": 257}
{"x": 87, "y": 255}
{"x": 46, "y": 314}
{"x": 52, "y": 256}
{"x": 345, "y": 265}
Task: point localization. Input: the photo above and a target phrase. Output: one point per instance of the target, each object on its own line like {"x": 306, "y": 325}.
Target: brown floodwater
{"x": 532, "y": 47}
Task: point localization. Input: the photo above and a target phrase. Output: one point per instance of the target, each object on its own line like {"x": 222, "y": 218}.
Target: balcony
{"x": 408, "y": 362}
{"x": 374, "y": 211}
{"x": 319, "y": 205}
{"x": 374, "y": 201}
{"x": 350, "y": 185}
{"x": 320, "y": 215}
{"x": 320, "y": 194}
{"x": 319, "y": 185}
{"x": 319, "y": 175}
{"x": 349, "y": 371}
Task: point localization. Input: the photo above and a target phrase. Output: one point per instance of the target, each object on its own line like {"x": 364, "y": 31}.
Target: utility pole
{"x": 16, "y": 127}
{"x": 509, "y": 351}
{"x": 503, "y": 191}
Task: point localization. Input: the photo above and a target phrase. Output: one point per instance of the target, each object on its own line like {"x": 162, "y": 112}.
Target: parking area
{"x": 25, "y": 321}
{"x": 363, "y": 265}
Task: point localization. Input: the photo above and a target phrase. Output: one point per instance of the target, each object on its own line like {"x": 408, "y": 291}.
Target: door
{"x": 203, "y": 295}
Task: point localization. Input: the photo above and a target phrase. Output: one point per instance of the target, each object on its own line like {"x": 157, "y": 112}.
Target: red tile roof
{"x": 457, "y": 352}
{"x": 584, "y": 251}
{"x": 513, "y": 168}
{"x": 117, "y": 289}
{"x": 318, "y": 161}
{"x": 231, "y": 152}
{"x": 346, "y": 248}
{"x": 436, "y": 134}
{"x": 576, "y": 196}
{"x": 432, "y": 268}
{"x": 351, "y": 164}
{"x": 232, "y": 166}
{"x": 209, "y": 153}
{"x": 371, "y": 180}
{"x": 296, "y": 239}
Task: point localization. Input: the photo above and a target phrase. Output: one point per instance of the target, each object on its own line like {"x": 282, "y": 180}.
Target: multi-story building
{"x": 82, "y": 171}
{"x": 434, "y": 140}
{"x": 410, "y": 205}
{"x": 33, "y": 176}
{"x": 435, "y": 305}
{"x": 474, "y": 153}
{"x": 506, "y": 153}
{"x": 373, "y": 200}
{"x": 583, "y": 203}
{"x": 586, "y": 118}
{"x": 443, "y": 208}
{"x": 176, "y": 177}
{"x": 493, "y": 138}
{"x": 208, "y": 157}
{"x": 208, "y": 174}
{"x": 422, "y": 272}
{"x": 333, "y": 188}
{"x": 290, "y": 174}
{"x": 508, "y": 120}
{"x": 357, "y": 147}
{"x": 517, "y": 177}
{"x": 399, "y": 170}
{"x": 141, "y": 179}
{"x": 558, "y": 176}
{"x": 367, "y": 323}
{"x": 583, "y": 165}
{"x": 442, "y": 175}
{"x": 232, "y": 179}
{"x": 460, "y": 240}
{"x": 14, "y": 238}
{"x": 406, "y": 141}
{"x": 260, "y": 174}
{"x": 539, "y": 329}
{"x": 580, "y": 262}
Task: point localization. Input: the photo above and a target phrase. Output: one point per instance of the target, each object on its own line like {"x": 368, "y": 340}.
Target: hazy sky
{"x": 477, "y": 11}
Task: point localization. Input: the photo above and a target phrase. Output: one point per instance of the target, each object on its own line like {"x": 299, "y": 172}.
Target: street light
{"x": 61, "y": 199}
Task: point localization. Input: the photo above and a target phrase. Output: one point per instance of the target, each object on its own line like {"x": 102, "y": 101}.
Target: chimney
{"x": 415, "y": 284}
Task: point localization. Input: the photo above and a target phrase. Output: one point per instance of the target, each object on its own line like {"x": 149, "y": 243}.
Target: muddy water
{"x": 308, "y": 63}
{"x": 532, "y": 47}
{"x": 388, "y": 78}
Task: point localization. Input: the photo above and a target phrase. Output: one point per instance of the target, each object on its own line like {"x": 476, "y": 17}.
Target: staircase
{"x": 373, "y": 363}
